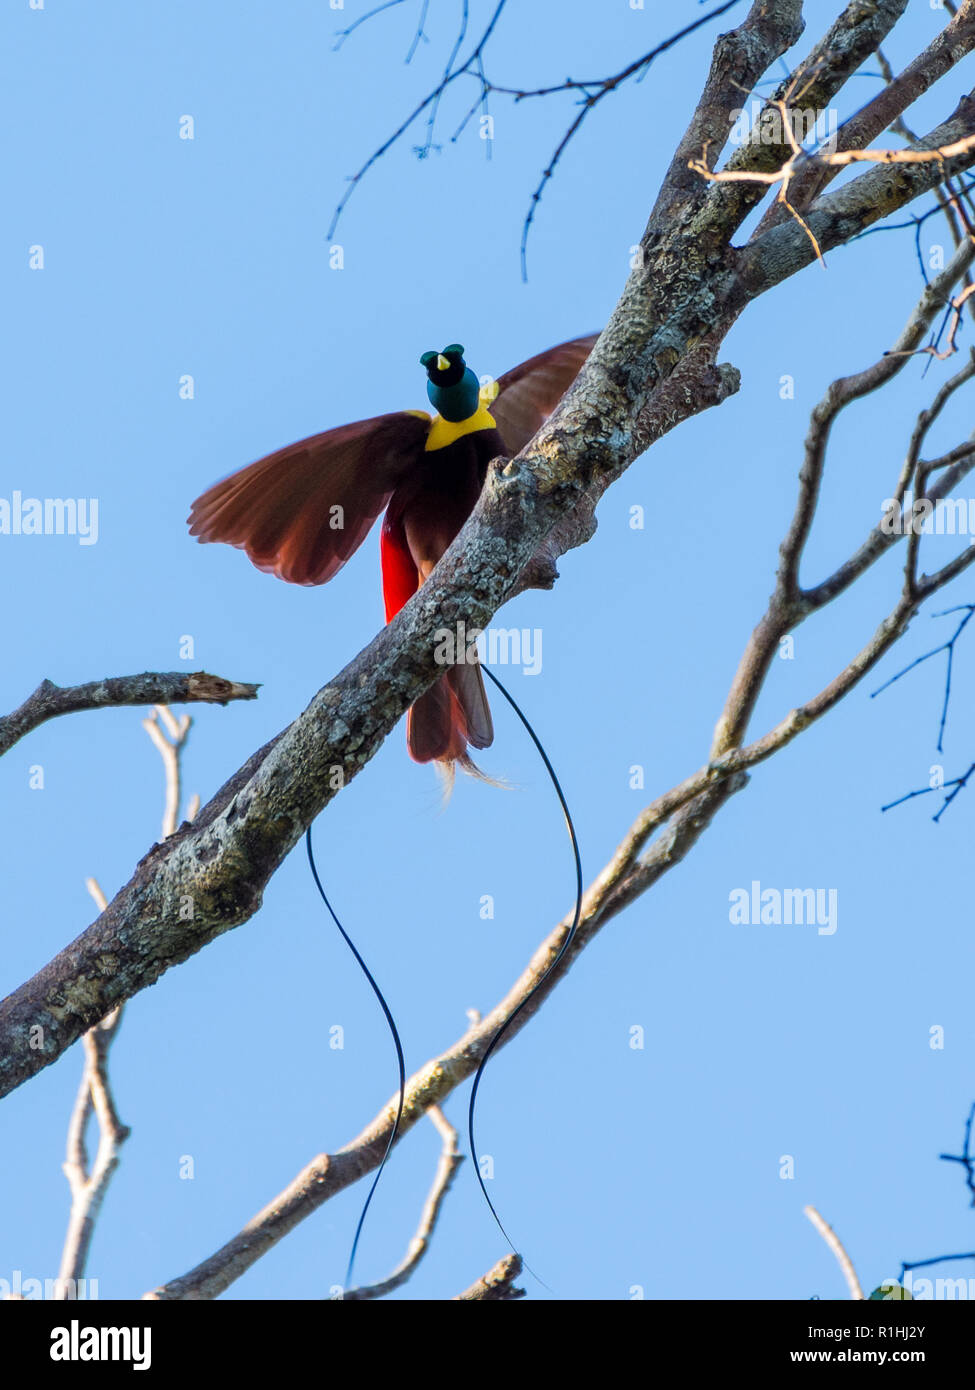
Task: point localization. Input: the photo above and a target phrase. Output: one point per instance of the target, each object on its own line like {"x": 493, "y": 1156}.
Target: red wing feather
{"x": 301, "y": 512}
{"x": 528, "y": 394}
{"x": 436, "y": 726}
{"x": 400, "y": 576}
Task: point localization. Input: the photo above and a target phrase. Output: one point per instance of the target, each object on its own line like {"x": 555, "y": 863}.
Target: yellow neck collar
{"x": 444, "y": 432}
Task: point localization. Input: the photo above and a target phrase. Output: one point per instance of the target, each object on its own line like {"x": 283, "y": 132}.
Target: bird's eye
{"x": 455, "y": 350}
{"x": 427, "y": 358}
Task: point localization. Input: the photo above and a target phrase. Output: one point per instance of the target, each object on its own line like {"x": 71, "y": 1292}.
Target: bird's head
{"x": 453, "y": 388}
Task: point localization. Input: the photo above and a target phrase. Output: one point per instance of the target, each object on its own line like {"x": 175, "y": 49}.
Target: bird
{"x": 301, "y": 512}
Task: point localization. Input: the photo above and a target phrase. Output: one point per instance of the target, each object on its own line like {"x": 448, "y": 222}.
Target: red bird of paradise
{"x": 301, "y": 512}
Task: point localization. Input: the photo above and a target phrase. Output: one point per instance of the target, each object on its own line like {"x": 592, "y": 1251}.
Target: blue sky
{"x": 615, "y": 1168}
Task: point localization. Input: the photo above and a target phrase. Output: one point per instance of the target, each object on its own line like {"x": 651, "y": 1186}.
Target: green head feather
{"x": 453, "y": 388}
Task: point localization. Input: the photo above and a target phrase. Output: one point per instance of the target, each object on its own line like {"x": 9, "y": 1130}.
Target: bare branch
{"x": 836, "y": 1245}
{"x": 170, "y": 746}
{"x": 812, "y": 85}
{"x": 786, "y": 172}
{"x": 430, "y": 104}
{"x": 949, "y": 47}
{"x": 966, "y": 1158}
{"x": 838, "y": 217}
{"x": 839, "y": 396}
{"x": 947, "y": 646}
{"x": 957, "y": 784}
{"x": 343, "y": 34}
{"x": 450, "y": 1161}
{"x": 935, "y": 1260}
{"x": 751, "y": 49}
{"x": 152, "y": 687}
{"x": 739, "y": 60}
{"x": 497, "y": 1284}
{"x": 590, "y": 93}
{"x": 89, "y": 1185}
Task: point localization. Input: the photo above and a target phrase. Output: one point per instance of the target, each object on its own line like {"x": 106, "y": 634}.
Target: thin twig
{"x": 836, "y": 1245}
{"x": 948, "y": 646}
{"x": 450, "y": 1161}
{"x": 89, "y": 1184}
{"x": 784, "y": 175}
{"x": 966, "y": 1158}
{"x": 592, "y": 93}
{"x": 170, "y": 745}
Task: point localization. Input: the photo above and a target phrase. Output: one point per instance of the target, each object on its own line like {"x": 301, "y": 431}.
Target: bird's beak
{"x": 443, "y": 364}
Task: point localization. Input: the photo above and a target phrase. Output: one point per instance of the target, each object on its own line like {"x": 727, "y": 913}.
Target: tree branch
{"x": 151, "y": 688}
{"x": 89, "y": 1185}
{"x": 836, "y": 1245}
{"x": 836, "y": 218}
{"x": 450, "y": 1161}
{"x": 811, "y": 86}
{"x": 948, "y": 48}
{"x": 497, "y": 1284}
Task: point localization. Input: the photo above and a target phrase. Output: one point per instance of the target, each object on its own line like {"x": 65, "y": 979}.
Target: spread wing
{"x": 528, "y": 394}
{"x": 301, "y": 512}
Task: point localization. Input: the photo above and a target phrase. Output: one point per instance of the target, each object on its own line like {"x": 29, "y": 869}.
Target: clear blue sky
{"x": 614, "y": 1167}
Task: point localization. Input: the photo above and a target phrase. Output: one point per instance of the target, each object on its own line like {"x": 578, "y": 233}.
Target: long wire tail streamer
{"x": 496, "y": 1039}
{"x": 396, "y": 1043}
